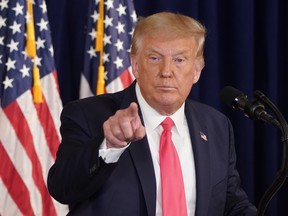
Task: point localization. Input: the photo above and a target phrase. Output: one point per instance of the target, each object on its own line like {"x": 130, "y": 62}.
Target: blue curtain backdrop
{"x": 246, "y": 47}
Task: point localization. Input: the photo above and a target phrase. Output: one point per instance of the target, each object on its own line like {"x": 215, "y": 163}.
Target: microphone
{"x": 252, "y": 109}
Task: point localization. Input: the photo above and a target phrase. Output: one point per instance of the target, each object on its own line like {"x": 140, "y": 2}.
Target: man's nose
{"x": 166, "y": 67}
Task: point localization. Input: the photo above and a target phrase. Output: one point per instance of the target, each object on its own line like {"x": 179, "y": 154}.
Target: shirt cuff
{"x": 110, "y": 155}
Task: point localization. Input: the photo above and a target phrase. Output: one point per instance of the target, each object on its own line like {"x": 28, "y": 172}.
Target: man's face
{"x": 165, "y": 71}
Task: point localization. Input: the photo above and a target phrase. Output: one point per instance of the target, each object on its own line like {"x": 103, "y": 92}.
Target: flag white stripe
{"x": 115, "y": 85}
{"x": 21, "y": 161}
{"x": 7, "y": 205}
{"x": 27, "y": 107}
{"x": 50, "y": 91}
{"x": 85, "y": 90}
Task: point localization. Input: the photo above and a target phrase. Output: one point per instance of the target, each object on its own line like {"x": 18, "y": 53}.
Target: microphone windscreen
{"x": 228, "y": 95}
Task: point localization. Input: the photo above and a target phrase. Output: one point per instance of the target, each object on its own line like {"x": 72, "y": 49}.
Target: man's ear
{"x": 199, "y": 65}
{"x": 134, "y": 66}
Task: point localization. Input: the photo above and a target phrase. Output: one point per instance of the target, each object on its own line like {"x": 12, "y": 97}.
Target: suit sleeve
{"x": 78, "y": 172}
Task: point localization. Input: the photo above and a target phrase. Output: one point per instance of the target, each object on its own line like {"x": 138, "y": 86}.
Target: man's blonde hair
{"x": 170, "y": 26}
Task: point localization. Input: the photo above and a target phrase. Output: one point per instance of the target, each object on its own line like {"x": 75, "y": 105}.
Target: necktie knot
{"x": 167, "y": 124}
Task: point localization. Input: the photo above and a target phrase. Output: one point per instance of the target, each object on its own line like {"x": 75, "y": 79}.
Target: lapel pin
{"x": 203, "y": 136}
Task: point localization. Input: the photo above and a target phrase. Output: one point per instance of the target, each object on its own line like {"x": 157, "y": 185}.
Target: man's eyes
{"x": 176, "y": 60}
{"x": 179, "y": 60}
{"x": 154, "y": 58}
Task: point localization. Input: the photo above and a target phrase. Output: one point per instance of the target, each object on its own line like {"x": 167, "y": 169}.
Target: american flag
{"x": 29, "y": 135}
{"x": 119, "y": 20}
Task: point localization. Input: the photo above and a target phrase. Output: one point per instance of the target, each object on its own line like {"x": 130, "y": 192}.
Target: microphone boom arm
{"x": 283, "y": 172}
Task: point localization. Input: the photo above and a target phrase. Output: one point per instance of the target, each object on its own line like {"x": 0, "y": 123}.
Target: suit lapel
{"x": 141, "y": 156}
{"x": 200, "y": 145}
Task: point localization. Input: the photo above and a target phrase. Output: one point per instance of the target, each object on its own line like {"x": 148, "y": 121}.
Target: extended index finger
{"x": 132, "y": 110}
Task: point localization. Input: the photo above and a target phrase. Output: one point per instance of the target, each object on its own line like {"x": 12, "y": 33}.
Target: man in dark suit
{"x": 108, "y": 160}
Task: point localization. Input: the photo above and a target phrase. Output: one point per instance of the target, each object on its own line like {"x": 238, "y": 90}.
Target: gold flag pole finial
{"x": 31, "y": 52}
{"x": 99, "y": 48}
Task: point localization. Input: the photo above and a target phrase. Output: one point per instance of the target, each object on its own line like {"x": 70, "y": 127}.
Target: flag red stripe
{"x": 11, "y": 178}
{"x": 24, "y": 135}
{"x": 126, "y": 78}
{"x": 48, "y": 126}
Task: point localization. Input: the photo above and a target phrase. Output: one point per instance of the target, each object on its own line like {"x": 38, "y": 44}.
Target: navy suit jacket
{"x": 128, "y": 188}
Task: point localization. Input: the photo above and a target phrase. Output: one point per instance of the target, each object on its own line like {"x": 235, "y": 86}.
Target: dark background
{"x": 246, "y": 47}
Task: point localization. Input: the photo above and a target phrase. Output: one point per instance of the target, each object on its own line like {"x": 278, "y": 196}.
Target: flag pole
{"x": 31, "y": 52}
{"x": 99, "y": 48}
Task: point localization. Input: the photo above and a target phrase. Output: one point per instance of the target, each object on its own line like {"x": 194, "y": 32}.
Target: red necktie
{"x": 173, "y": 193}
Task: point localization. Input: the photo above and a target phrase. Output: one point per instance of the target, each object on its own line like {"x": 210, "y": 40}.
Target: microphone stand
{"x": 283, "y": 172}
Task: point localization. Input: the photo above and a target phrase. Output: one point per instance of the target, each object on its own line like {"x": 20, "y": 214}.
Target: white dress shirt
{"x": 181, "y": 139}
